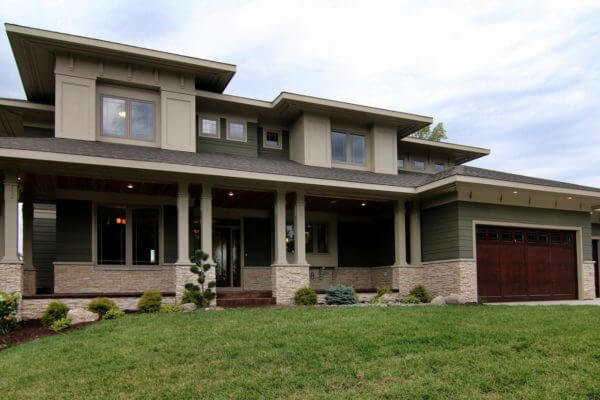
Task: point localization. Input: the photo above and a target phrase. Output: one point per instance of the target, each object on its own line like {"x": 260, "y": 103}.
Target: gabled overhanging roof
{"x": 34, "y": 51}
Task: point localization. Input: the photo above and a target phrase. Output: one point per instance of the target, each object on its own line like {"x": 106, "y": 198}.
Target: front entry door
{"x": 226, "y": 254}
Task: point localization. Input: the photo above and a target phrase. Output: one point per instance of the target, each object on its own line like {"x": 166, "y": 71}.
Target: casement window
{"x": 348, "y": 148}
{"x": 272, "y": 138}
{"x": 317, "y": 241}
{"x": 128, "y": 118}
{"x": 208, "y": 126}
{"x": 127, "y": 235}
{"x": 236, "y": 130}
{"x": 419, "y": 165}
{"x": 439, "y": 167}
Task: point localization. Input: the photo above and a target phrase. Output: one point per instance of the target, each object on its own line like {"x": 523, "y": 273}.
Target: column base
{"x": 11, "y": 277}
{"x": 589, "y": 283}
{"x": 286, "y": 279}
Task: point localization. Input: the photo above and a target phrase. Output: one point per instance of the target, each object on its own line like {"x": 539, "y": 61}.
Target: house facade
{"x": 123, "y": 161}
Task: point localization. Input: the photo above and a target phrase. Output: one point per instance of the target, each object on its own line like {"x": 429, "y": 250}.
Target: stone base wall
{"x": 11, "y": 278}
{"x": 286, "y": 280}
{"x": 589, "y": 283}
{"x": 89, "y": 278}
{"x": 358, "y": 278}
{"x": 29, "y": 281}
{"x": 256, "y": 278}
{"x": 440, "y": 278}
{"x": 34, "y": 308}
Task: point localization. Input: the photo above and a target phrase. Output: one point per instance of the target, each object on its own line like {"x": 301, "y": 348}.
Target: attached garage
{"x": 515, "y": 264}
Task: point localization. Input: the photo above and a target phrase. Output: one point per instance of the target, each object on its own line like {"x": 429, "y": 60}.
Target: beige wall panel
{"x": 317, "y": 141}
{"x": 384, "y": 149}
{"x": 178, "y": 121}
{"x": 75, "y": 108}
{"x": 297, "y": 141}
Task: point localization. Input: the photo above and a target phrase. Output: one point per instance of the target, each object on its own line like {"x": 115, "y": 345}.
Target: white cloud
{"x": 520, "y": 77}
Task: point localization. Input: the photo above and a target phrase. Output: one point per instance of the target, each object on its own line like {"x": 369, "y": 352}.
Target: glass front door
{"x": 226, "y": 254}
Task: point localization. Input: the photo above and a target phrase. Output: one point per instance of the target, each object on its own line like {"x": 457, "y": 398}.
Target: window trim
{"x": 279, "y": 132}
{"x": 201, "y": 133}
{"x": 348, "y": 146}
{"x": 244, "y": 126}
{"x": 128, "y": 236}
{"x": 128, "y": 121}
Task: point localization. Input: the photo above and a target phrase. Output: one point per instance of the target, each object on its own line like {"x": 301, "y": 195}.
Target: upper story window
{"x": 128, "y": 118}
{"x": 348, "y": 148}
{"x": 419, "y": 165}
{"x": 209, "y": 126}
{"x": 438, "y": 167}
{"x": 236, "y": 131}
{"x": 272, "y": 138}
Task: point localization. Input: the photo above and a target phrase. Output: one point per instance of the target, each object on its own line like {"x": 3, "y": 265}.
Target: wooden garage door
{"x": 525, "y": 264}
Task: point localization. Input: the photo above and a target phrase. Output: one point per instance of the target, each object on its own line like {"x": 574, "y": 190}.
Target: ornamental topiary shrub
{"x": 421, "y": 293}
{"x": 411, "y": 300}
{"x": 191, "y": 297}
{"x": 114, "y": 313}
{"x": 202, "y": 294}
{"x": 305, "y": 297}
{"x": 150, "y": 302}
{"x": 340, "y": 294}
{"x": 101, "y": 306}
{"x": 9, "y": 304}
{"x": 55, "y": 311}
{"x": 60, "y": 324}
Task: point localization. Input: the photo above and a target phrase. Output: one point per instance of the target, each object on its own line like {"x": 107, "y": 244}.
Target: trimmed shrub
{"x": 170, "y": 308}
{"x": 60, "y": 324}
{"x": 202, "y": 292}
{"x": 114, "y": 313}
{"x": 9, "y": 303}
{"x": 383, "y": 290}
{"x": 55, "y": 311}
{"x": 150, "y": 302}
{"x": 101, "y": 306}
{"x": 191, "y": 296}
{"x": 305, "y": 297}
{"x": 411, "y": 300}
{"x": 421, "y": 293}
{"x": 340, "y": 294}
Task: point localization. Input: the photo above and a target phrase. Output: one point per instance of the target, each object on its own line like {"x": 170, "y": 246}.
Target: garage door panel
{"x": 525, "y": 264}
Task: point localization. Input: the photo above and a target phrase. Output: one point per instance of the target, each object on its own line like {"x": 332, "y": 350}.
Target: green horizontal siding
{"x": 595, "y": 229}
{"x": 282, "y": 154}
{"x": 447, "y": 230}
{"x": 223, "y": 146}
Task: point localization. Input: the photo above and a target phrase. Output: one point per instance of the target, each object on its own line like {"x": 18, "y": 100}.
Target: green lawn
{"x": 302, "y": 353}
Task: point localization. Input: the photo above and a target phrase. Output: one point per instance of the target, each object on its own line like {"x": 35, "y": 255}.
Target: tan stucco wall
{"x": 310, "y": 140}
{"x": 383, "y": 149}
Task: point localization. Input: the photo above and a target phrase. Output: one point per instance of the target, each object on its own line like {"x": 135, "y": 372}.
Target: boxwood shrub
{"x": 150, "y": 302}
{"x": 305, "y": 297}
{"x": 421, "y": 293}
{"x": 55, "y": 311}
{"x": 101, "y": 306}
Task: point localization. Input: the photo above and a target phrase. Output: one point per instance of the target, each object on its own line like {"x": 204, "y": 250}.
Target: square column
{"x": 29, "y": 273}
{"x": 400, "y": 233}
{"x": 183, "y": 275}
{"x": 300, "y": 229}
{"x": 11, "y": 268}
{"x": 206, "y": 233}
{"x": 415, "y": 234}
{"x": 279, "y": 215}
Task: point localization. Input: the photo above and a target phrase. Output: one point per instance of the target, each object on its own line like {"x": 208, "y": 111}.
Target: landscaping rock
{"x": 389, "y": 298}
{"x": 79, "y": 315}
{"x": 188, "y": 307}
{"x": 455, "y": 299}
{"x": 438, "y": 301}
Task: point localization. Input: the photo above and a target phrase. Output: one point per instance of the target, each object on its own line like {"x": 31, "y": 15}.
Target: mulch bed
{"x": 31, "y": 330}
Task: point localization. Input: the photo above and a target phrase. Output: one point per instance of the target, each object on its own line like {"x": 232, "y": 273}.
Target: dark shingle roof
{"x": 262, "y": 165}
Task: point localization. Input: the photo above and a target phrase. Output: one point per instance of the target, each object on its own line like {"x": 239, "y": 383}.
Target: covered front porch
{"x": 77, "y": 233}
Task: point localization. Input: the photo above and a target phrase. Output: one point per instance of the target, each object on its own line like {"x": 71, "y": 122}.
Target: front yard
{"x": 389, "y": 352}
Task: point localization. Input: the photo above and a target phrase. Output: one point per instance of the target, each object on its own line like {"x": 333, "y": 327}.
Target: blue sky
{"x": 521, "y": 78}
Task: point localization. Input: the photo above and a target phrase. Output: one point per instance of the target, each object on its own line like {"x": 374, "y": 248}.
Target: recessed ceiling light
{"x": 570, "y": 198}
{"x": 515, "y": 192}
{"x": 130, "y": 186}
{"x": 231, "y": 194}
{"x": 333, "y": 202}
{"x": 363, "y": 204}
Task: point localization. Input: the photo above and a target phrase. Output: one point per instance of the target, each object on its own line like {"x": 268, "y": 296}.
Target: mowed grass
{"x": 451, "y": 352}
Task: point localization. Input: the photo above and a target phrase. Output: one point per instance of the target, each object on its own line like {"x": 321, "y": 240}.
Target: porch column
{"x": 287, "y": 278}
{"x": 400, "y": 233}
{"x": 183, "y": 275}
{"x": 415, "y": 233}
{"x": 300, "y": 229}
{"x": 11, "y": 268}
{"x": 279, "y": 213}
{"x": 206, "y": 232}
{"x": 29, "y": 273}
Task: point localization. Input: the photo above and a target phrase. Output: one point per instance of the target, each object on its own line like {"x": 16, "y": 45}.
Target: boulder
{"x": 188, "y": 307}
{"x": 455, "y": 299}
{"x": 438, "y": 301}
{"x": 79, "y": 315}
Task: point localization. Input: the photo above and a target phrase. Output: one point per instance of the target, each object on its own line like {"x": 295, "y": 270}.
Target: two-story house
{"x": 123, "y": 161}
